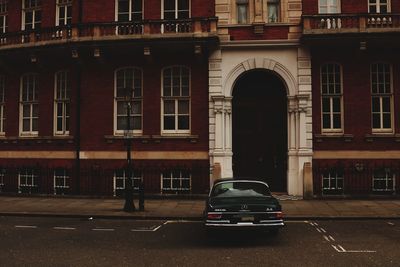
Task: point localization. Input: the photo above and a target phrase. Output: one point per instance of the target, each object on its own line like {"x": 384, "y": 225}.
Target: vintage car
{"x": 242, "y": 203}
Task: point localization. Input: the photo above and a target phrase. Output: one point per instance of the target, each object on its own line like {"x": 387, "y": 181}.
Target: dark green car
{"x": 242, "y": 203}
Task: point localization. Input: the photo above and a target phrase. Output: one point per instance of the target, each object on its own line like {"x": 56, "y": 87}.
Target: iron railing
{"x": 117, "y": 30}
{"x": 354, "y": 178}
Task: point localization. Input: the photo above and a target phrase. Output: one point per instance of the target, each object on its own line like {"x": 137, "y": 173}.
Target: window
{"x": 129, "y": 10}
{"x": 119, "y": 181}
{"x": 331, "y": 94}
{"x": 3, "y": 16}
{"x": 29, "y": 106}
{"x": 273, "y": 10}
{"x": 31, "y": 14}
{"x": 27, "y": 181}
{"x": 176, "y": 181}
{"x": 329, "y": 6}
{"x": 332, "y": 182}
{"x": 2, "y": 104}
{"x": 176, "y": 9}
{"x": 381, "y": 94}
{"x": 61, "y": 181}
{"x": 383, "y": 180}
{"x": 242, "y": 10}
{"x": 64, "y": 12}
{"x": 128, "y": 91}
{"x": 379, "y": 6}
{"x": 176, "y": 100}
{"x": 62, "y": 103}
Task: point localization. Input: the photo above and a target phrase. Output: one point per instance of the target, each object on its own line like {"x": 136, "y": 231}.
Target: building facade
{"x": 72, "y": 70}
{"x": 301, "y": 93}
{"x": 260, "y": 93}
{"x": 355, "y": 84}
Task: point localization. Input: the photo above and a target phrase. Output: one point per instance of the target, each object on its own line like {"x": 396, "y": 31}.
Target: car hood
{"x": 251, "y": 203}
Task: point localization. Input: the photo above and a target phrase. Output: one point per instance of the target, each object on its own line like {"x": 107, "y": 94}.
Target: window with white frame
{"x": 176, "y": 181}
{"x": 61, "y": 181}
{"x": 176, "y": 9}
{"x": 128, "y": 91}
{"x": 273, "y": 11}
{"x": 328, "y": 6}
{"x": 2, "y": 104}
{"x": 3, "y": 15}
{"x": 61, "y": 103}
{"x": 332, "y": 181}
{"x": 381, "y": 94}
{"x": 27, "y": 181}
{"x": 176, "y": 100}
{"x": 242, "y": 11}
{"x": 129, "y": 10}
{"x": 120, "y": 179}
{"x": 31, "y": 14}
{"x": 331, "y": 98}
{"x": 383, "y": 180}
{"x": 378, "y": 6}
{"x": 29, "y": 105}
{"x": 64, "y": 12}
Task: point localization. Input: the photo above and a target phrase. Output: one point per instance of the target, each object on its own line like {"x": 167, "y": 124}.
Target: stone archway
{"x": 299, "y": 133}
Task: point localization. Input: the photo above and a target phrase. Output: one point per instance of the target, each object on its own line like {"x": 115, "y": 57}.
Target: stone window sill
{"x": 342, "y": 137}
{"x": 152, "y": 138}
{"x": 380, "y": 136}
{"x": 36, "y": 139}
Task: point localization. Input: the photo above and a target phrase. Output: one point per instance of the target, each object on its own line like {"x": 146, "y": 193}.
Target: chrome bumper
{"x": 226, "y": 223}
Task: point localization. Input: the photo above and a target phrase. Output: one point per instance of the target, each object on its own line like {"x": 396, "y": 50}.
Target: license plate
{"x": 247, "y": 219}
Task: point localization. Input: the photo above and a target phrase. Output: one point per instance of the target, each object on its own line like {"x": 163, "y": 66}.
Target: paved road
{"x": 83, "y": 242}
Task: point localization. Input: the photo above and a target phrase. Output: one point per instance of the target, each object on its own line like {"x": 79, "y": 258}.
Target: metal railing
{"x": 136, "y": 29}
{"x": 353, "y": 178}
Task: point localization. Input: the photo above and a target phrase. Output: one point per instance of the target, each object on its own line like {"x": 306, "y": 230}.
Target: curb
{"x": 184, "y": 218}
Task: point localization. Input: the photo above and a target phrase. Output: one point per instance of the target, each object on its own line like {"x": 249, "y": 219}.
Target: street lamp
{"x": 129, "y": 204}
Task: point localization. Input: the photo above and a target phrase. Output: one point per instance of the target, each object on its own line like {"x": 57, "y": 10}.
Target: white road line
{"x": 390, "y": 223}
{"x": 341, "y": 248}
{"x": 331, "y": 238}
{"x": 64, "y": 228}
{"x": 26, "y": 226}
{"x": 338, "y": 250}
{"x": 319, "y": 231}
{"x": 360, "y": 251}
{"x": 103, "y": 229}
{"x": 326, "y": 238}
{"x": 323, "y": 230}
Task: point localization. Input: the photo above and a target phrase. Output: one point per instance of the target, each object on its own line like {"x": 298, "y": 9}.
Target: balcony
{"x": 350, "y": 24}
{"x": 146, "y": 29}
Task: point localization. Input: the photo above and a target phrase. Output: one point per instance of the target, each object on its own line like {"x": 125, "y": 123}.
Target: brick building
{"x": 69, "y": 68}
{"x": 301, "y": 93}
{"x": 356, "y": 93}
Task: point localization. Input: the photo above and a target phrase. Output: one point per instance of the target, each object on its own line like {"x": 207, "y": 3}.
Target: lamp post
{"x": 129, "y": 204}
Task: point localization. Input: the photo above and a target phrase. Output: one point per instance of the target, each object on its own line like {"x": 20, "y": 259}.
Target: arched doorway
{"x": 259, "y": 128}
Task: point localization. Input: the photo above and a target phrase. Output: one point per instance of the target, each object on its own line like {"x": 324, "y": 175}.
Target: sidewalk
{"x": 191, "y": 209}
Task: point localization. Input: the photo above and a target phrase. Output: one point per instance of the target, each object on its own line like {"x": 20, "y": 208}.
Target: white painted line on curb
{"x": 64, "y": 228}
{"x": 26, "y": 226}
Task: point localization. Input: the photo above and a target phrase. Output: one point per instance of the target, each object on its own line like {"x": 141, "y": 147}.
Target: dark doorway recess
{"x": 260, "y": 128}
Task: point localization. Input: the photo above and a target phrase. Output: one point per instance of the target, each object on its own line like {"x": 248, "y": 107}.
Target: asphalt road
{"x": 27, "y": 241}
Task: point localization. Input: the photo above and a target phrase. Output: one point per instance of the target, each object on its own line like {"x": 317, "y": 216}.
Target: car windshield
{"x": 240, "y": 189}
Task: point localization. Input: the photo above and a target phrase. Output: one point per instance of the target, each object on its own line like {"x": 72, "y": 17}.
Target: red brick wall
{"x": 270, "y": 33}
{"x": 357, "y": 98}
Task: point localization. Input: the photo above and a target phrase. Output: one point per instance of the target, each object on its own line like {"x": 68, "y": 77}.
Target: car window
{"x": 240, "y": 189}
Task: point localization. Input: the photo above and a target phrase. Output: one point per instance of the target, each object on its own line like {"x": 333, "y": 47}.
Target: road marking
{"x": 319, "y": 231}
{"x": 26, "y": 226}
{"x": 323, "y": 230}
{"x": 103, "y": 229}
{"x": 64, "y": 228}
{"x": 390, "y": 223}
{"x": 326, "y": 238}
{"x": 337, "y": 249}
{"x": 331, "y": 238}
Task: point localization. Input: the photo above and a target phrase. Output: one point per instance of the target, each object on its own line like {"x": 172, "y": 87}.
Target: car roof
{"x": 240, "y": 179}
